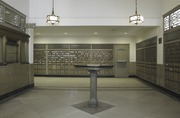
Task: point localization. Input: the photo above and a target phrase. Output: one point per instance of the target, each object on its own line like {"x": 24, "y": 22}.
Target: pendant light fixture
{"x": 136, "y": 18}
{"x": 52, "y": 19}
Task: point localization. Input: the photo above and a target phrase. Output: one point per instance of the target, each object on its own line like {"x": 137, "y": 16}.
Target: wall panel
{"x": 59, "y": 59}
{"x": 147, "y": 60}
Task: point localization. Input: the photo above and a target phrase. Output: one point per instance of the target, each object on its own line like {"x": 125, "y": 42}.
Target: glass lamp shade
{"x": 52, "y": 19}
{"x": 136, "y": 19}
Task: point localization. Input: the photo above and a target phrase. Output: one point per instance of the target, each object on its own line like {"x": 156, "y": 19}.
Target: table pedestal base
{"x": 84, "y": 106}
{"x": 93, "y": 69}
{"x": 93, "y": 102}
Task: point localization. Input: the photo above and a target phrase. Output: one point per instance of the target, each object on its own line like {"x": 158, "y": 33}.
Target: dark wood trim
{"x": 71, "y": 75}
{"x": 15, "y": 92}
{"x": 171, "y": 11}
{"x": 171, "y": 36}
{"x": 13, "y": 34}
{"x": 132, "y": 76}
{"x": 1, "y": 64}
{"x": 172, "y": 30}
{"x": 161, "y": 89}
{"x": 168, "y": 14}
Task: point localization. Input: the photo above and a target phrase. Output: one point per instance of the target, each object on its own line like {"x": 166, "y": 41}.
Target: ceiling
{"x": 91, "y": 30}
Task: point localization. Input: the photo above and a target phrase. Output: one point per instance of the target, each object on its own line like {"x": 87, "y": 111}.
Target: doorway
{"x": 121, "y": 60}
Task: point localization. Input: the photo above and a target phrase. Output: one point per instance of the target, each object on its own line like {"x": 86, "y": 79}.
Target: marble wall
{"x": 132, "y": 68}
{"x": 14, "y": 77}
{"x": 160, "y": 74}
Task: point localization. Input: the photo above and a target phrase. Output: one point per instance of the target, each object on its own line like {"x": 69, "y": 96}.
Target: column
{"x": 30, "y": 48}
{"x": 30, "y": 30}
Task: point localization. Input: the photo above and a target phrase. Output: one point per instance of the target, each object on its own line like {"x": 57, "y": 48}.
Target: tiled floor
{"x": 54, "y": 97}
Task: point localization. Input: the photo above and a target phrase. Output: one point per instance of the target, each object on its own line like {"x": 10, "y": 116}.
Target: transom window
{"x": 172, "y": 19}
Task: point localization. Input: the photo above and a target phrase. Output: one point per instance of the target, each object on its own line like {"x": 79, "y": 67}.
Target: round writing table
{"x": 93, "y": 69}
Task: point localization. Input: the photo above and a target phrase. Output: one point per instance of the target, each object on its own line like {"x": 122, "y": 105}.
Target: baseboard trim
{"x": 133, "y": 76}
{"x": 15, "y": 92}
{"x": 72, "y": 75}
{"x": 161, "y": 89}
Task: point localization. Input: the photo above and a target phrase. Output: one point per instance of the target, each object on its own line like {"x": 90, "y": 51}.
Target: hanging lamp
{"x": 52, "y": 19}
{"x": 136, "y": 18}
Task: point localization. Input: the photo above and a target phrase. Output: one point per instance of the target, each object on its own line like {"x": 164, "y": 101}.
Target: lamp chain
{"x": 136, "y": 8}
{"x": 53, "y": 7}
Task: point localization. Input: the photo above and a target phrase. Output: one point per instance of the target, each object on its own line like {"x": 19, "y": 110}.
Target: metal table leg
{"x": 93, "y": 102}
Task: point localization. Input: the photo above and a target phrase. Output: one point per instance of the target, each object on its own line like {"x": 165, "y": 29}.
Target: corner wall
{"x": 165, "y": 7}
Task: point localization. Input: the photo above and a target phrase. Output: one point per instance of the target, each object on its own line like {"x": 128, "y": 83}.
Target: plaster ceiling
{"x": 91, "y": 30}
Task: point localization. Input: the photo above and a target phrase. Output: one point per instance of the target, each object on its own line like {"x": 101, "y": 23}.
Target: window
{"x": 166, "y": 23}
{"x": 175, "y": 19}
{"x": 172, "y": 19}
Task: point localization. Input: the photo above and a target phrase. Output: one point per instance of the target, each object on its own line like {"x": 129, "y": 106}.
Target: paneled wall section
{"x": 172, "y": 61}
{"x": 172, "y": 50}
{"x": 146, "y": 59}
{"x": 59, "y": 59}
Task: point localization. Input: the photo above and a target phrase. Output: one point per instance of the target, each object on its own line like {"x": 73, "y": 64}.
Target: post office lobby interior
{"x": 93, "y": 59}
